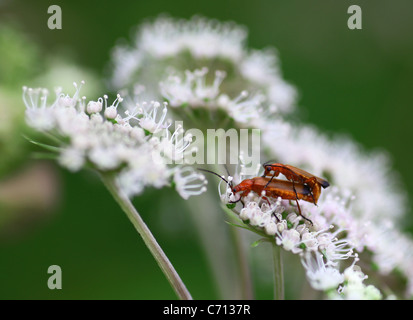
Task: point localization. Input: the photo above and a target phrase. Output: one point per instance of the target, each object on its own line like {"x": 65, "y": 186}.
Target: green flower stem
{"x": 153, "y": 246}
{"x": 242, "y": 259}
{"x": 278, "y": 272}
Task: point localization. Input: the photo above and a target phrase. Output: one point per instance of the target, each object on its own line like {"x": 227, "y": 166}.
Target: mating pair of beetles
{"x": 300, "y": 184}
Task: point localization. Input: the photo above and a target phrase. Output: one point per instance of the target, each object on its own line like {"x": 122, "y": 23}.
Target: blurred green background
{"x": 357, "y": 82}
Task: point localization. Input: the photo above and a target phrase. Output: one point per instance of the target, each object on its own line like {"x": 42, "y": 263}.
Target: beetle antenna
{"x": 216, "y": 175}
{"x": 226, "y": 181}
{"x": 269, "y": 162}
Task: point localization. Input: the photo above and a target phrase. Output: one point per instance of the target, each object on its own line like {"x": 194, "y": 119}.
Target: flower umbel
{"x": 188, "y": 47}
{"x": 194, "y": 91}
{"x": 321, "y": 246}
{"x": 125, "y": 144}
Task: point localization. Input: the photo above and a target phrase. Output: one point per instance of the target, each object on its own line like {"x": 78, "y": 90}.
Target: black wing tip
{"x": 325, "y": 184}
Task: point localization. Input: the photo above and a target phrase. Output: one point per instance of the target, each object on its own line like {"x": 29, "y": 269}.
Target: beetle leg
{"x": 269, "y": 181}
{"x": 299, "y": 210}
{"x": 295, "y": 191}
{"x": 268, "y": 201}
{"x": 312, "y": 196}
{"x": 298, "y": 205}
{"x": 273, "y": 213}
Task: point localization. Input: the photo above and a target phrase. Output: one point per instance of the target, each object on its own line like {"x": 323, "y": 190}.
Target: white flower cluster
{"x": 367, "y": 176}
{"x": 195, "y": 91}
{"x": 202, "y": 67}
{"x": 354, "y": 288}
{"x": 137, "y": 146}
{"x": 350, "y": 282}
{"x": 322, "y": 243}
{"x": 190, "y": 46}
{"x": 167, "y": 37}
{"x": 364, "y": 182}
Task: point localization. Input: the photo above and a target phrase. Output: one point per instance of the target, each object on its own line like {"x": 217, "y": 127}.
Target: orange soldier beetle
{"x": 296, "y": 175}
{"x": 273, "y": 188}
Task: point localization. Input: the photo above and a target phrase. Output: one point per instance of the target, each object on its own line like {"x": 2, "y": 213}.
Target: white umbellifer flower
{"x": 202, "y": 37}
{"x": 290, "y": 240}
{"x": 321, "y": 276}
{"x": 94, "y": 106}
{"x": 347, "y": 285}
{"x": 261, "y": 67}
{"x": 111, "y": 112}
{"x": 148, "y": 115}
{"x": 338, "y": 285}
{"x": 72, "y": 158}
{"x": 188, "y": 182}
{"x": 271, "y": 228}
{"x": 392, "y": 250}
{"x": 195, "y": 92}
{"x": 126, "y": 145}
{"x": 195, "y": 44}
{"x": 173, "y": 146}
{"x": 243, "y": 108}
{"x": 125, "y": 63}
{"x": 365, "y": 199}
{"x": 353, "y": 287}
{"x": 322, "y": 243}
{"x": 37, "y": 112}
{"x": 245, "y": 88}
{"x": 167, "y": 37}
{"x": 365, "y": 176}
{"x": 259, "y": 216}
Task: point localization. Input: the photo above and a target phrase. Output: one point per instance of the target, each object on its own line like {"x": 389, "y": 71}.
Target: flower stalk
{"x": 241, "y": 257}
{"x": 278, "y": 272}
{"x": 244, "y": 268}
{"x": 150, "y": 241}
